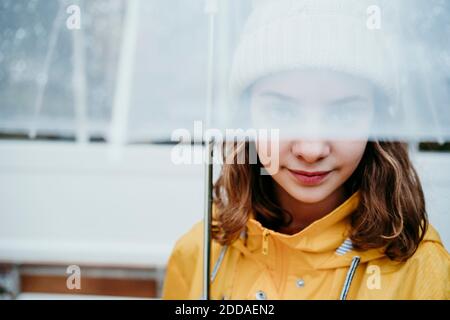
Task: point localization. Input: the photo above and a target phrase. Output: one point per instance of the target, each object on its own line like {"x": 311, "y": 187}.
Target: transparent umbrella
{"x": 328, "y": 69}
{"x": 377, "y": 70}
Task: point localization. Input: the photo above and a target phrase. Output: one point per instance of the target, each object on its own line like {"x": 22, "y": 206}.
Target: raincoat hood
{"x": 318, "y": 242}
{"x": 325, "y": 242}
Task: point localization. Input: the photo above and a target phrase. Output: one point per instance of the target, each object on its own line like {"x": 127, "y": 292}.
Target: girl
{"x": 333, "y": 219}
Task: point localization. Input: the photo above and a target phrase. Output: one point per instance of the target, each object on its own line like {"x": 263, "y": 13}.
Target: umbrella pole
{"x": 209, "y": 145}
{"x": 211, "y": 9}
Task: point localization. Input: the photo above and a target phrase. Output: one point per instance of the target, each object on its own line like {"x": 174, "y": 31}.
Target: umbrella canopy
{"x": 344, "y": 69}
{"x": 148, "y": 76}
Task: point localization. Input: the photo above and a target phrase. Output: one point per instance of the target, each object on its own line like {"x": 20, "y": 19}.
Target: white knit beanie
{"x": 282, "y": 35}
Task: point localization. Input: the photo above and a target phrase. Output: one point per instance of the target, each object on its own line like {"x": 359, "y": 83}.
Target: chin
{"x": 310, "y": 194}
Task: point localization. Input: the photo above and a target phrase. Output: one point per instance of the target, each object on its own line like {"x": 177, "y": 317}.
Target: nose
{"x": 310, "y": 151}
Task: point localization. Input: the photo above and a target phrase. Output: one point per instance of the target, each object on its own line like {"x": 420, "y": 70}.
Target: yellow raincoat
{"x": 316, "y": 263}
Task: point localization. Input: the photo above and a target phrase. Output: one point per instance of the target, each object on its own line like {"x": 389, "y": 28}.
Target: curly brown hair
{"x": 391, "y": 212}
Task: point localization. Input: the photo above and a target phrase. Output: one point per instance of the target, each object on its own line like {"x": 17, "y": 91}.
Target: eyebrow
{"x": 279, "y": 96}
{"x": 349, "y": 99}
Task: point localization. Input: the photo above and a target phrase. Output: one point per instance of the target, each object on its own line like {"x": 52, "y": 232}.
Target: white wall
{"x": 60, "y": 202}
{"x": 434, "y": 172}
{"x": 64, "y": 203}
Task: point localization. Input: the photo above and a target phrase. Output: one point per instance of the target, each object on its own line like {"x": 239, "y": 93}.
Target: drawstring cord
{"x": 218, "y": 263}
{"x": 349, "y": 277}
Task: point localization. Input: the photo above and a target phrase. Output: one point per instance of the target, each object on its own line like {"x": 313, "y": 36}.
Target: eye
{"x": 279, "y": 111}
{"x": 340, "y": 117}
{"x": 346, "y": 114}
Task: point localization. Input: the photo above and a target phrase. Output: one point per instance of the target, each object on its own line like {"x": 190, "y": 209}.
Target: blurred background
{"x": 86, "y": 116}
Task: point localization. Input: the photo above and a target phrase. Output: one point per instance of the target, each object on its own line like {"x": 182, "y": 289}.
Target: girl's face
{"x": 310, "y": 170}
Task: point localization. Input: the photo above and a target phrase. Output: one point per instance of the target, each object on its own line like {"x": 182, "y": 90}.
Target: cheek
{"x": 284, "y": 151}
{"x": 349, "y": 154}
{"x": 272, "y": 152}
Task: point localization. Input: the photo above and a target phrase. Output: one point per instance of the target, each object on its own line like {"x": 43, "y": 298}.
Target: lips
{"x": 309, "y": 177}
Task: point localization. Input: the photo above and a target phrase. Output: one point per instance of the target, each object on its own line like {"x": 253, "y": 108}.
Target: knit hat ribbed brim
{"x": 283, "y": 35}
